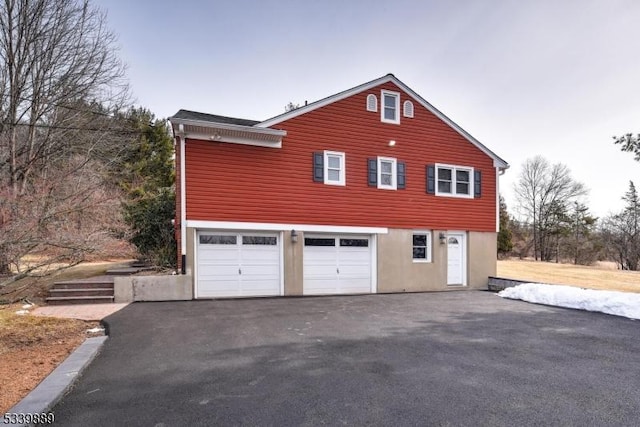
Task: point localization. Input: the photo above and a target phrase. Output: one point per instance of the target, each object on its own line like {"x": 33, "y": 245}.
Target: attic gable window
{"x": 390, "y": 108}
{"x": 407, "y": 108}
{"x": 372, "y": 103}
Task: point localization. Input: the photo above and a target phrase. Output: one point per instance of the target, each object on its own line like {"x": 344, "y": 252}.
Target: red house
{"x": 371, "y": 190}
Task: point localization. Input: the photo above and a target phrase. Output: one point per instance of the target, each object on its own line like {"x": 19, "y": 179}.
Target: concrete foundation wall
{"x": 482, "y": 257}
{"x": 293, "y": 263}
{"x": 153, "y": 288}
{"x": 397, "y": 272}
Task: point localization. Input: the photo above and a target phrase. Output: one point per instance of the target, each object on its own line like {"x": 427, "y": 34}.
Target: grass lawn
{"x": 601, "y": 276}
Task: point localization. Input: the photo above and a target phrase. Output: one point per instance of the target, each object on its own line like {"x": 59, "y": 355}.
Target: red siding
{"x": 232, "y": 182}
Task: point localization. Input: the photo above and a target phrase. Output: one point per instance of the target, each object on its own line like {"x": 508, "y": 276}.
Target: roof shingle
{"x": 194, "y": 115}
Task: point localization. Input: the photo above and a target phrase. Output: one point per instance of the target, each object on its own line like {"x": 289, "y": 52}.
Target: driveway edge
{"x": 57, "y": 383}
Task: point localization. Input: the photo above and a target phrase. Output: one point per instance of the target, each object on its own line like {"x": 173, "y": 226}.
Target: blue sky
{"x": 556, "y": 78}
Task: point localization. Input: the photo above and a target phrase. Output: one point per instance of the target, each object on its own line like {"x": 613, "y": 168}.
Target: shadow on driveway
{"x": 455, "y": 358}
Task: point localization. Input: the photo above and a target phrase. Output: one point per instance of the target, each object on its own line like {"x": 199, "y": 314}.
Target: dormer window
{"x": 390, "y": 108}
{"x": 407, "y": 108}
{"x": 372, "y": 103}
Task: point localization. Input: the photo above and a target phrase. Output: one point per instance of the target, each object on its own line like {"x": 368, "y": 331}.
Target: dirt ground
{"x": 602, "y": 276}
{"x": 31, "y": 347}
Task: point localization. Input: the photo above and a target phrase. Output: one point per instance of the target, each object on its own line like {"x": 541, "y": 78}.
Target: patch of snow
{"x": 27, "y": 306}
{"x": 22, "y": 312}
{"x": 625, "y": 304}
{"x": 95, "y": 330}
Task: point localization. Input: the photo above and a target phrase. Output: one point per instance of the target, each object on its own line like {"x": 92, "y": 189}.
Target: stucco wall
{"x": 397, "y": 272}
{"x": 482, "y": 258}
{"x": 293, "y": 263}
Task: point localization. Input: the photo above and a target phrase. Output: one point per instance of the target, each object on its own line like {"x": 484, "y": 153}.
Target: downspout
{"x": 498, "y": 173}
{"x": 183, "y": 202}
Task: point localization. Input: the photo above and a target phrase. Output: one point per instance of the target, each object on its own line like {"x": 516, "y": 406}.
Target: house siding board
{"x": 231, "y": 182}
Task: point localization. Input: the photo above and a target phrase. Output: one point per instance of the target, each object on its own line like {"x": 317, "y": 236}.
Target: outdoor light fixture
{"x": 392, "y": 143}
{"x": 216, "y": 137}
{"x": 442, "y": 238}
{"x": 294, "y": 236}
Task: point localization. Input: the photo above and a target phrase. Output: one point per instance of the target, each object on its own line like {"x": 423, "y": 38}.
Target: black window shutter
{"x": 431, "y": 179}
{"x": 318, "y": 167}
{"x": 477, "y": 183}
{"x": 373, "y": 172}
{"x": 402, "y": 176}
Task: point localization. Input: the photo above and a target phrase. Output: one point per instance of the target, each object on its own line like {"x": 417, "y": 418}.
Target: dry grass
{"x": 31, "y": 347}
{"x": 601, "y": 276}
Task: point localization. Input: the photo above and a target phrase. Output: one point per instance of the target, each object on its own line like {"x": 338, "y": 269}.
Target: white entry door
{"x": 456, "y": 259}
{"x": 231, "y": 264}
{"x": 336, "y": 265}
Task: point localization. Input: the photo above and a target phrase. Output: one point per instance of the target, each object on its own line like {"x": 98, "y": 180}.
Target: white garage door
{"x": 237, "y": 265}
{"x": 337, "y": 265}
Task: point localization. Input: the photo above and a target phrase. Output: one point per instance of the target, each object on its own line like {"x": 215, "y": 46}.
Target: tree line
{"x": 556, "y": 224}
{"x": 80, "y": 166}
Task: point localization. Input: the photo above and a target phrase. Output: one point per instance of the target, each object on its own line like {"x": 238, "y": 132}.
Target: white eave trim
{"x": 225, "y": 225}
{"x": 234, "y": 134}
{"x": 498, "y": 162}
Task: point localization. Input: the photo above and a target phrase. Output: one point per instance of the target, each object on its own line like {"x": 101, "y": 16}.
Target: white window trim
{"x": 343, "y": 172}
{"x": 407, "y": 109}
{"x": 453, "y": 193}
{"x": 429, "y": 250}
{"x": 397, "y": 106}
{"x": 394, "y": 173}
{"x": 372, "y": 103}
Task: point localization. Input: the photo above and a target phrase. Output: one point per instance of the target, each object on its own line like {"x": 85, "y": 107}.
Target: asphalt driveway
{"x": 458, "y": 358}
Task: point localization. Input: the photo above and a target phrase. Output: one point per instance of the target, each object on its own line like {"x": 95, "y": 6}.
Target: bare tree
{"x": 60, "y": 79}
{"x": 622, "y": 232}
{"x": 544, "y": 191}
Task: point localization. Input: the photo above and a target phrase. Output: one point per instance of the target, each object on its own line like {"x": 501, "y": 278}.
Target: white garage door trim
{"x": 196, "y": 273}
{"x": 335, "y": 264}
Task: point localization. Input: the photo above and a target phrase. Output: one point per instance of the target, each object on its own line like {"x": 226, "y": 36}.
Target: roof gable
{"x": 498, "y": 162}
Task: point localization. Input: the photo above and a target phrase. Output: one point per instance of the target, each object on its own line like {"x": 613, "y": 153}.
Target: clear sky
{"x": 557, "y": 78}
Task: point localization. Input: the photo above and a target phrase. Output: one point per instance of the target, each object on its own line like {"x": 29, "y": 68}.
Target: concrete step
{"x": 81, "y": 292}
{"x": 92, "y": 290}
{"x": 79, "y": 300}
{"x": 83, "y": 285}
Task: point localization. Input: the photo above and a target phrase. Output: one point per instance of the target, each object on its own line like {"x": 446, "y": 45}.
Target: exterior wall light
{"x": 392, "y": 143}
{"x": 294, "y": 236}
{"x": 442, "y": 238}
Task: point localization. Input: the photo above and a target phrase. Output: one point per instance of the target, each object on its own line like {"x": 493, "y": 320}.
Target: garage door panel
{"x": 319, "y": 286}
{"x": 214, "y": 270}
{"x": 221, "y": 288}
{"x": 238, "y": 264}
{"x": 341, "y": 268}
{"x": 267, "y": 272}
{"x": 258, "y": 289}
